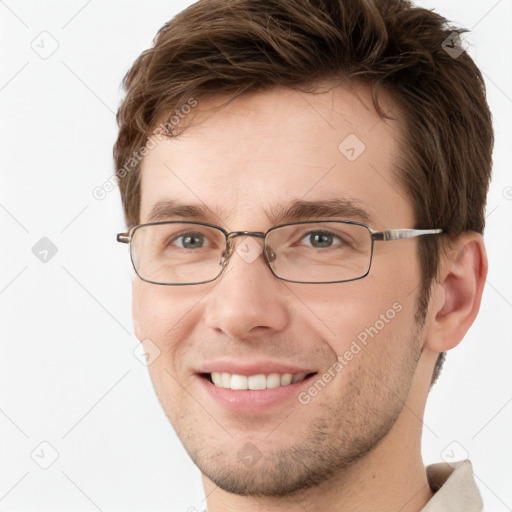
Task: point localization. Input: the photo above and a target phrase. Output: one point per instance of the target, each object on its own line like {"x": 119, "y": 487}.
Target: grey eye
{"x": 190, "y": 240}
{"x": 320, "y": 239}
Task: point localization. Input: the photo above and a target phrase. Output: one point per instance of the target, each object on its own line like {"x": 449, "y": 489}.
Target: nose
{"x": 247, "y": 299}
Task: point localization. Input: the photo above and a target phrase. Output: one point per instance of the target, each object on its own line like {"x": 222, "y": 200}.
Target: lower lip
{"x": 249, "y": 400}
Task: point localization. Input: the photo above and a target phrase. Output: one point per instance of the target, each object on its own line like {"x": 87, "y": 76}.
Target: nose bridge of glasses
{"x": 234, "y": 234}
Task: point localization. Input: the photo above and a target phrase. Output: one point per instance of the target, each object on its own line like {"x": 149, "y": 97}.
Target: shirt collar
{"x": 454, "y": 487}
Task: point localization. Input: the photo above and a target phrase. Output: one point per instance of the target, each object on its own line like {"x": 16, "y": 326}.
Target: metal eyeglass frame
{"x": 376, "y": 236}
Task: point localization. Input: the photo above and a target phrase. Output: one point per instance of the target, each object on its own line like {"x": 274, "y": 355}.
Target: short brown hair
{"x": 234, "y": 47}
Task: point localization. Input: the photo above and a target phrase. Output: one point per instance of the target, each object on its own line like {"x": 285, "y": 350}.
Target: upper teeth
{"x": 260, "y": 381}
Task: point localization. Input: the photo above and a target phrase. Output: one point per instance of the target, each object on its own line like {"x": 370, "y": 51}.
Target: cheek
{"x": 367, "y": 315}
{"x": 164, "y": 314}
{"x": 375, "y": 348}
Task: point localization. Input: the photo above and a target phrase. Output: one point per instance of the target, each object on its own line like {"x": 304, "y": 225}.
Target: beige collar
{"x": 454, "y": 487}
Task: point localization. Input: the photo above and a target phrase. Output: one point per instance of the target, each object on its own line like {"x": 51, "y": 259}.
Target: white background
{"x": 68, "y": 373}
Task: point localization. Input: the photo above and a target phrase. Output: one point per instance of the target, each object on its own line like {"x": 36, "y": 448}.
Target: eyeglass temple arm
{"x": 123, "y": 238}
{"x": 400, "y": 234}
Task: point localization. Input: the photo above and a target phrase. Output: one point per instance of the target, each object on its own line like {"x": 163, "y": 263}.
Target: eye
{"x": 189, "y": 240}
{"x": 319, "y": 239}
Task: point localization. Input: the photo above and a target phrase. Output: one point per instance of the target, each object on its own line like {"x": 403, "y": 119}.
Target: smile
{"x": 254, "y": 382}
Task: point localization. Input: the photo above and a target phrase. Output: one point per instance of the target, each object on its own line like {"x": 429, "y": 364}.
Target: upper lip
{"x": 252, "y": 368}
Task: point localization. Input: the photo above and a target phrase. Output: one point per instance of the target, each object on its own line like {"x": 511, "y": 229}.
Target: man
{"x": 304, "y": 184}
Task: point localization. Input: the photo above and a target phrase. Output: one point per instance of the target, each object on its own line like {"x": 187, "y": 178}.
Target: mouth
{"x": 257, "y": 382}
{"x": 253, "y": 387}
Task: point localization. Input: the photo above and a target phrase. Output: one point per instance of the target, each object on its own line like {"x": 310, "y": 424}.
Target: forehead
{"x": 245, "y": 160}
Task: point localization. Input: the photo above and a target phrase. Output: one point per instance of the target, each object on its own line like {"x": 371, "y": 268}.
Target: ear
{"x": 457, "y": 292}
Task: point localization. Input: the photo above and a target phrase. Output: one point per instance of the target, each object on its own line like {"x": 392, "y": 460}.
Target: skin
{"x": 357, "y": 442}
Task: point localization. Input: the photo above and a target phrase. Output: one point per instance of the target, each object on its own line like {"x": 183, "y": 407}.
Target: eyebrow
{"x": 166, "y": 210}
{"x": 305, "y": 210}
{"x": 295, "y": 211}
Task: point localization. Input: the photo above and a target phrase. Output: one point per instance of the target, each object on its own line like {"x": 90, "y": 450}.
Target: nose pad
{"x": 224, "y": 258}
{"x": 270, "y": 255}
{"x": 226, "y": 255}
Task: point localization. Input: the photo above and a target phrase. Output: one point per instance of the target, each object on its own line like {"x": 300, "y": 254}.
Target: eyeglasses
{"x": 313, "y": 252}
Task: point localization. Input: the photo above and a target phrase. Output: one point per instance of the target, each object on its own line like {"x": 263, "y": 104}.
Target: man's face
{"x": 245, "y": 162}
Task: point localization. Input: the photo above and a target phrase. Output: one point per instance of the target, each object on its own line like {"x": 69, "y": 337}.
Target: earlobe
{"x": 456, "y": 295}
